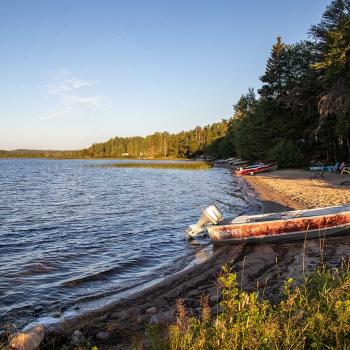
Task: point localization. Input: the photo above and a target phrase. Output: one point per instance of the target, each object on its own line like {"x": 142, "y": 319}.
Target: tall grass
{"x": 161, "y": 165}
{"x": 313, "y": 314}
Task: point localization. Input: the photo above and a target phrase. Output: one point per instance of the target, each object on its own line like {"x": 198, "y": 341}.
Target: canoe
{"x": 283, "y": 226}
{"x": 256, "y": 168}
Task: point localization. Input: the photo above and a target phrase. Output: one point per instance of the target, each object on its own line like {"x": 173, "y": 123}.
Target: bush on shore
{"x": 312, "y": 314}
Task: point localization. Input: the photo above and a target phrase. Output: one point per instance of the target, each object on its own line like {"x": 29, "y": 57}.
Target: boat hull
{"x": 282, "y": 230}
{"x": 287, "y": 237}
{"x": 256, "y": 170}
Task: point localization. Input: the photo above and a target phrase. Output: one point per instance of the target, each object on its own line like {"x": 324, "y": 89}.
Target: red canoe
{"x": 289, "y": 225}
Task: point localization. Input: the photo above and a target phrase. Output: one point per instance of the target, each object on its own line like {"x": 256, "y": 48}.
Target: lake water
{"x": 71, "y": 234}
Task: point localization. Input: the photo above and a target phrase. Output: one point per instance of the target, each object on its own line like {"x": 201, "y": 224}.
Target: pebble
{"x": 77, "y": 337}
{"x": 142, "y": 318}
{"x": 120, "y": 315}
{"x": 166, "y": 317}
{"x": 102, "y": 335}
{"x": 151, "y": 310}
{"x": 77, "y": 333}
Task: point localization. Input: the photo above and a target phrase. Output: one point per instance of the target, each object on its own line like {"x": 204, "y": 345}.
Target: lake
{"x": 73, "y": 234}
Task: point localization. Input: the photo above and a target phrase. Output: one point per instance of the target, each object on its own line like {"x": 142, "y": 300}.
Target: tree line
{"x": 300, "y": 113}
{"x": 185, "y": 144}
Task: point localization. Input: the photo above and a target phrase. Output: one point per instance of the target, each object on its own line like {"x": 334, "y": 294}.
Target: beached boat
{"x": 282, "y": 226}
{"x": 256, "y": 168}
{"x": 328, "y": 168}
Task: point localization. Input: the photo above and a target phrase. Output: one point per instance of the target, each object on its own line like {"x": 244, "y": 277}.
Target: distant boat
{"x": 256, "y": 168}
{"x": 328, "y": 168}
{"x": 282, "y": 226}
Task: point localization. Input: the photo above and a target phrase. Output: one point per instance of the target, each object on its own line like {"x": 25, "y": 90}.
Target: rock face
{"x": 29, "y": 340}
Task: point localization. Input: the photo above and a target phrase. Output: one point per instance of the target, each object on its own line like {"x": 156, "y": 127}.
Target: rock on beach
{"x": 29, "y": 340}
{"x": 166, "y": 317}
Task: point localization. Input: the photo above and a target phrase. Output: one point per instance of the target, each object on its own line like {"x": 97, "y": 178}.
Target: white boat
{"x": 282, "y": 226}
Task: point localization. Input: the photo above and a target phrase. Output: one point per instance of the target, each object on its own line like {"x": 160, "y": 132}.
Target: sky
{"x": 73, "y": 73}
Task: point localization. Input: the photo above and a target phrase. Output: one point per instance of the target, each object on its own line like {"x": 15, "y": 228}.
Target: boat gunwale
{"x": 278, "y": 220}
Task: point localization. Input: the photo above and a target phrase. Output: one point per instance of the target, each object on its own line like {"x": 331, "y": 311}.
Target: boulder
{"x": 29, "y": 340}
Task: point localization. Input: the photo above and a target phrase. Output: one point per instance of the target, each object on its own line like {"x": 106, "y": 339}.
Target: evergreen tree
{"x": 332, "y": 36}
{"x": 277, "y": 74}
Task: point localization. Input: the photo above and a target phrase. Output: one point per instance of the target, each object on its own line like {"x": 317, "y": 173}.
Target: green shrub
{"x": 286, "y": 154}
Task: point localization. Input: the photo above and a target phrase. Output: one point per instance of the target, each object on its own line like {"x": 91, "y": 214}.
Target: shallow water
{"x": 70, "y": 233}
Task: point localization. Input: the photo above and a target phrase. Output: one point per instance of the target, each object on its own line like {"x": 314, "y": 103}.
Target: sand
{"x": 257, "y": 265}
{"x": 295, "y": 189}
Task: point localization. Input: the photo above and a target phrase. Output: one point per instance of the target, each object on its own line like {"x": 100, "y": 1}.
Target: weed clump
{"x": 161, "y": 165}
{"x": 312, "y": 314}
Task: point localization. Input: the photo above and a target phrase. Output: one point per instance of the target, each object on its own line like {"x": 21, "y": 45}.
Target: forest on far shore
{"x": 300, "y": 113}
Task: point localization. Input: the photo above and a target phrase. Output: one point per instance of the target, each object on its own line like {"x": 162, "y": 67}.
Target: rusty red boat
{"x": 282, "y": 226}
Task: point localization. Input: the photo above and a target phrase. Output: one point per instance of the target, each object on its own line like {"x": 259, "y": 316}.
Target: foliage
{"x": 162, "y": 145}
{"x": 185, "y": 144}
{"x": 286, "y": 154}
{"x": 332, "y": 36}
{"x": 313, "y": 314}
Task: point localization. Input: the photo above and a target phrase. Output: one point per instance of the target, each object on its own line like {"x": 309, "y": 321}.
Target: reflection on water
{"x": 71, "y": 233}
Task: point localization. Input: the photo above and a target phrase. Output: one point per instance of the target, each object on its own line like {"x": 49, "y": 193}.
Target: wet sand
{"x": 257, "y": 265}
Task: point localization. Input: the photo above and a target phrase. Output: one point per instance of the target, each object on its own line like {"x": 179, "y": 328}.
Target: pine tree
{"x": 277, "y": 73}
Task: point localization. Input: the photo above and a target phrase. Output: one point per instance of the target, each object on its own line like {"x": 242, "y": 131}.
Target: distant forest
{"x": 300, "y": 113}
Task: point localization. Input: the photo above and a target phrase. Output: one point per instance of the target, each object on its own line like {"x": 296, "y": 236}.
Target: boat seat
{"x": 241, "y": 219}
{"x": 246, "y": 218}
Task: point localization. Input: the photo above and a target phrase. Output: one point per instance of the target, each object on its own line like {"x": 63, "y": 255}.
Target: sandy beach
{"x": 294, "y": 188}
{"x": 257, "y": 265}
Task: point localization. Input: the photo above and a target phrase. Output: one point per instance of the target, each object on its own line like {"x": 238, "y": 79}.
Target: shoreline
{"x": 263, "y": 265}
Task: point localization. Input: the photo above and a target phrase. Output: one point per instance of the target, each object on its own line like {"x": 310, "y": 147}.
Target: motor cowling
{"x": 210, "y": 215}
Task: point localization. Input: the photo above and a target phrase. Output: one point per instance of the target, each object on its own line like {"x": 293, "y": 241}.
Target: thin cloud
{"x": 65, "y": 87}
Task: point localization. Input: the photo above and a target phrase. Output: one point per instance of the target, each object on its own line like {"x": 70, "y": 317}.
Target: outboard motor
{"x": 210, "y": 215}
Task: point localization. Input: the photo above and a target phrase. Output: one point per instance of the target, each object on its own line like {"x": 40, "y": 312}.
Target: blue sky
{"x": 77, "y": 72}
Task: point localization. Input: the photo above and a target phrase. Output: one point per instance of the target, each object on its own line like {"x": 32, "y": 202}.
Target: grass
{"x": 312, "y": 314}
{"x": 161, "y": 165}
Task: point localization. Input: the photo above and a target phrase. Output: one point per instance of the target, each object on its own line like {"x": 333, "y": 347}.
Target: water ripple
{"x": 70, "y": 233}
